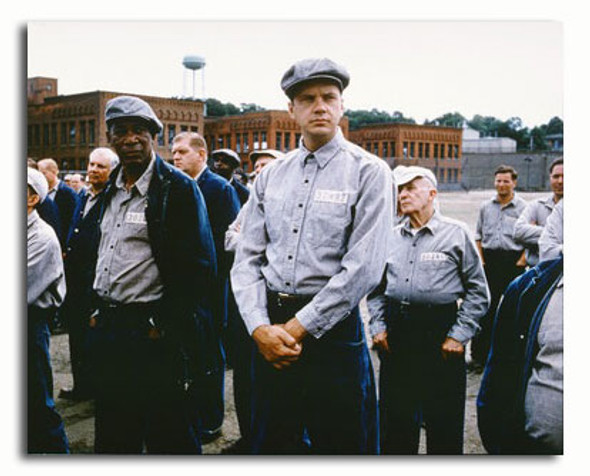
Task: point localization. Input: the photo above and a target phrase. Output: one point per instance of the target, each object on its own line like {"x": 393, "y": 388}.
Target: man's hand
{"x": 276, "y": 345}
{"x": 521, "y": 263}
{"x": 451, "y": 348}
{"x": 293, "y": 327}
{"x": 380, "y": 341}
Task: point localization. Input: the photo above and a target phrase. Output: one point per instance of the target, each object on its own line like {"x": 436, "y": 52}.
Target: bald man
{"x": 64, "y": 197}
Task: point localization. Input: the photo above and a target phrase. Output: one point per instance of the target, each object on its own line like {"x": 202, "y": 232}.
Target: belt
{"x": 133, "y": 315}
{"x": 284, "y": 299}
{"x": 405, "y": 307}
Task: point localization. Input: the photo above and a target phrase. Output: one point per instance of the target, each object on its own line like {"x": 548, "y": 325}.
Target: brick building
{"x": 434, "y": 147}
{"x": 67, "y": 128}
{"x": 257, "y": 130}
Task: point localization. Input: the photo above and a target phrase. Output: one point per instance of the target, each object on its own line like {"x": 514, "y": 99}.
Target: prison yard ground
{"x": 79, "y": 416}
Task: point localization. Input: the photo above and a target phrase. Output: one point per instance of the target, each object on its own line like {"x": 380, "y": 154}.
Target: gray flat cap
{"x": 38, "y": 182}
{"x": 313, "y": 68}
{"x": 230, "y": 154}
{"x": 255, "y": 155}
{"x": 130, "y": 106}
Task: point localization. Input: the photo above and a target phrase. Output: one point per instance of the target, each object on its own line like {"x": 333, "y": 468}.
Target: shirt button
{"x": 295, "y": 231}
{"x": 288, "y": 284}
{"x": 289, "y": 257}
{"x": 301, "y": 205}
{"x": 76, "y": 230}
{"x": 306, "y": 181}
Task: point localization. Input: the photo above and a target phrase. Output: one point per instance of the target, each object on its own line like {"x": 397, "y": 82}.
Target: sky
{"x": 423, "y": 69}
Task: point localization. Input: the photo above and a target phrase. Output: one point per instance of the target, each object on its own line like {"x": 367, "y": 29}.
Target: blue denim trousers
{"x": 325, "y": 403}
{"x": 45, "y": 428}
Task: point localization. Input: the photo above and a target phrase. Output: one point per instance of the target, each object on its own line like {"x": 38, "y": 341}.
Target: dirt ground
{"x": 79, "y": 416}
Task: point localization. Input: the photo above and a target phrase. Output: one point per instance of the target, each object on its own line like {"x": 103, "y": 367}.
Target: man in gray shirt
{"x": 46, "y": 288}
{"x": 503, "y": 258}
{"x": 530, "y": 223}
{"x": 417, "y": 325}
{"x": 313, "y": 244}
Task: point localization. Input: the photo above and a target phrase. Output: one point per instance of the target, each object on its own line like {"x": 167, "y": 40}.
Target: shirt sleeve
{"x": 377, "y": 307}
{"x": 476, "y": 300}
{"x": 551, "y": 240}
{"x": 526, "y": 229}
{"x": 232, "y": 234}
{"x": 364, "y": 261}
{"x": 248, "y": 283}
{"x": 479, "y": 225}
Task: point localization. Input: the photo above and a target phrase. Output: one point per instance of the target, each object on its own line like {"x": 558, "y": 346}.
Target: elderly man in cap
{"x": 79, "y": 262}
{"x": 46, "y": 287}
{"x": 189, "y": 153}
{"x": 225, "y": 162}
{"x": 312, "y": 246}
{"x": 417, "y": 325}
{"x": 155, "y": 266}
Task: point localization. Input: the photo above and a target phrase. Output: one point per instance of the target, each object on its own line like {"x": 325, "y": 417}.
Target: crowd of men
{"x": 166, "y": 273}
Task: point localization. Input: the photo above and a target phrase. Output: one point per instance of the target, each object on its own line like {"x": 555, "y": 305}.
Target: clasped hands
{"x": 280, "y": 344}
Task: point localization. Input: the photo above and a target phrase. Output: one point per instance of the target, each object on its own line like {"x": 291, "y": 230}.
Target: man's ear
{"x": 290, "y": 109}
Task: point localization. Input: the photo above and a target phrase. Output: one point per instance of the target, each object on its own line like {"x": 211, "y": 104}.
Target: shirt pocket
{"x": 430, "y": 275}
{"x": 508, "y": 223}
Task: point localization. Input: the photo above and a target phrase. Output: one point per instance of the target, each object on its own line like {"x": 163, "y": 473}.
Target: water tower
{"x": 195, "y": 63}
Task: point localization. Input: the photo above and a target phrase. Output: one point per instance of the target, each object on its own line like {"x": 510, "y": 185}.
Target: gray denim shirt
{"x": 126, "y": 270}
{"x": 495, "y": 224}
{"x": 315, "y": 225}
{"x": 530, "y": 224}
{"x": 439, "y": 264}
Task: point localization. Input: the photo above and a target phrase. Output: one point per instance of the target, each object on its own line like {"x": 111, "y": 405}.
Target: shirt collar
{"x": 326, "y": 152}
{"x": 201, "y": 173}
{"x": 432, "y": 225}
{"x": 143, "y": 182}
{"x": 511, "y": 202}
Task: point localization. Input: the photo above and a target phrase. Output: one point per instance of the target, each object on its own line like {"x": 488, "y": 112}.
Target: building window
{"x": 183, "y": 128}
{"x": 456, "y": 152}
{"x": 450, "y": 151}
{"x": 436, "y": 151}
{"x": 45, "y": 134}
{"x": 427, "y": 151}
{"x": 442, "y": 151}
{"x": 83, "y": 165}
{"x": 297, "y": 139}
{"x": 82, "y": 132}
{"x": 64, "y": 133}
{"x": 412, "y": 149}
{"x": 238, "y": 143}
{"x": 171, "y": 133}
{"x": 385, "y": 150}
{"x": 287, "y": 141}
{"x": 256, "y": 142}
{"x": 246, "y": 142}
{"x": 420, "y": 150}
{"x": 228, "y": 141}
{"x": 405, "y": 150}
{"x": 53, "y": 134}
{"x": 194, "y": 129}
{"x": 263, "y": 140}
{"x": 72, "y": 133}
{"x": 91, "y": 133}
{"x": 279, "y": 139}
{"x": 160, "y": 138}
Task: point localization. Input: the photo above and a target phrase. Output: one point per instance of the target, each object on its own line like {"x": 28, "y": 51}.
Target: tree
{"x": 450, "y": 119}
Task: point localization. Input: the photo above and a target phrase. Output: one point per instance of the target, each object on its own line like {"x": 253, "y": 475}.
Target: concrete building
{"x": 474, "y": 144}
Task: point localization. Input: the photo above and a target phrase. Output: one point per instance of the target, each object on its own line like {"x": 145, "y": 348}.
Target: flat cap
{"x": 230, "y": 154}
{"x": 255, "y": 155}
{"x": 38, "y": 182}
{"x": 313, "y": 68}
{"x": 403, "y": 175}
{"x": 131, "y": 106}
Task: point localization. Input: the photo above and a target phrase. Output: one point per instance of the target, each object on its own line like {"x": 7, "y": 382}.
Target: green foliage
{"x": 361, "y": 118}
{"x": 216, "y": 108}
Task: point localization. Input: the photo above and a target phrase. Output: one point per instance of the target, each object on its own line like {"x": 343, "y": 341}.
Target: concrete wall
{"x": 478, "y": 169}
